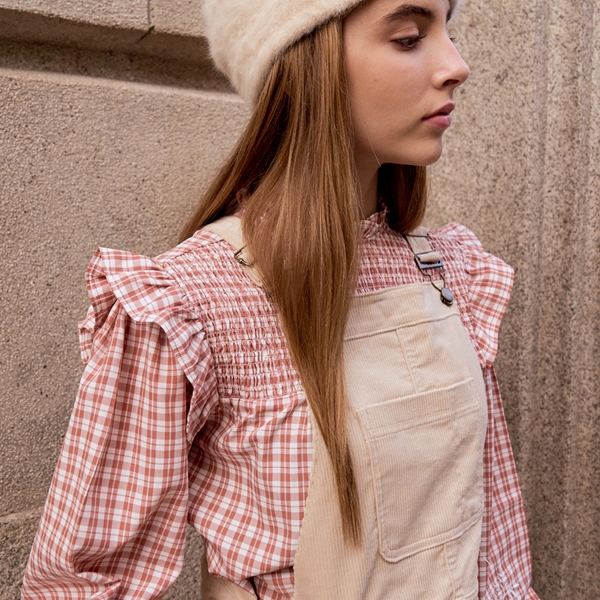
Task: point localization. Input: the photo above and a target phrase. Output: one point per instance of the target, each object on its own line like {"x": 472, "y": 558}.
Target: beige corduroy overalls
{"x": 416, "y": 429}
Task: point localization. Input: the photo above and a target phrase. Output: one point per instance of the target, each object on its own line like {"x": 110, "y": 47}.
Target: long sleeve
{"x": 505, "y": 556}
{"x": 115, "y": 518}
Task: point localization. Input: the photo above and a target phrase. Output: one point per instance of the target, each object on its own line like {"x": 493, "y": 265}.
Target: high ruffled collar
{"x": 373, "y": 224}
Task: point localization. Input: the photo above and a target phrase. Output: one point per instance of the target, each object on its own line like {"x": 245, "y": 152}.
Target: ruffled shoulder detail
{"x": 148, "y": 294}
{"x": 489, "y": 282}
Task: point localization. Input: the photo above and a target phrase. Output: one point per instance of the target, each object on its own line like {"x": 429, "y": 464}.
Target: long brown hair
{"x": 294, "y": 170}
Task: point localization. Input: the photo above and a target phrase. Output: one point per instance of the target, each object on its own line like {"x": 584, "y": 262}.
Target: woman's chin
{"x": 422, "y": 157}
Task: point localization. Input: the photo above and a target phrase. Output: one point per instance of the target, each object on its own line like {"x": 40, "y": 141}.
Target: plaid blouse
{"x": 190, "y": 410}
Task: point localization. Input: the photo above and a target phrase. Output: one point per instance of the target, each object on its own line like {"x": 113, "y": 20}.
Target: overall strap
{"x": 428, "y": 259}
{"x": 425, "y": 257}
{"x": 230, "y": 229}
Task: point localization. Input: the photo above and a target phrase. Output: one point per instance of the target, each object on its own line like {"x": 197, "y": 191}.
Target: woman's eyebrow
{"x": 407, "y": 10}
{"x": 410, "y": 10}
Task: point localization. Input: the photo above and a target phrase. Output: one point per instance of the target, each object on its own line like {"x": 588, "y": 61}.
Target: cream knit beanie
{"x": 246, "y": 37}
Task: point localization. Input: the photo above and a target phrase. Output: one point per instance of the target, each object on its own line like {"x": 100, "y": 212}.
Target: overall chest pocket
{"x": 417, "y": 391}
{"x": 426, "y": 453}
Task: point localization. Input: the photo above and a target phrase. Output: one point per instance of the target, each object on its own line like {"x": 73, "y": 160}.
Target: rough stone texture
{"x": 16, "y": 537}
{"x": 162, "y": 33}
{"x": 128, "y": 14}
{"x": 182, "y": 17}
{"x": 105, "y": 139}
{"x": 88, "y": 162}
{"x": 521, "y": 168}
{"x": 138, "y": 68}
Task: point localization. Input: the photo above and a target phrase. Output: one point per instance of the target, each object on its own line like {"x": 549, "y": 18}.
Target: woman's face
{"x": 402, "y": 70}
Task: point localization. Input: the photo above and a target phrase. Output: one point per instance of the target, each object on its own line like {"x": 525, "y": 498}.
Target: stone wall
{"x": 112, "y": 121}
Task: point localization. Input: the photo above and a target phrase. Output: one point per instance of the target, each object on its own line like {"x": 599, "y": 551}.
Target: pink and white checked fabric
{"x": 190, "y": 410}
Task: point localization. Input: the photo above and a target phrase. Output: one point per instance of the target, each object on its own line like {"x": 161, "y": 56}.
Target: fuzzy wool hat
{"x": 246, "y": 37}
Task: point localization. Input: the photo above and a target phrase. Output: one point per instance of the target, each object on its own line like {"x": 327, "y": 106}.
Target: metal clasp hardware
{"x": 430, "y": 259}
{"x": 238, "y": 256}
{"x": 446, "y": 295}
{"x": 424, "y": 265}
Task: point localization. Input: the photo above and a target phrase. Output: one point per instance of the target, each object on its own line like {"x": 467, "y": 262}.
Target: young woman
{"x": 307, "y": 379}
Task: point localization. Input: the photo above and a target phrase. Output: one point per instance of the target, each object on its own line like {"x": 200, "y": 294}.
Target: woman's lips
{"x": 440, "y": 120}
{"x": 442, "y": 117}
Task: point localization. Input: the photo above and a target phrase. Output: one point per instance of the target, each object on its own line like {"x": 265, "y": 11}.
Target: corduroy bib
{"x": 416, "y": 429}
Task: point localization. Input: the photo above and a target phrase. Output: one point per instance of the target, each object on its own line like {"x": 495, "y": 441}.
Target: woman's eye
{"x": 409, "y": 43}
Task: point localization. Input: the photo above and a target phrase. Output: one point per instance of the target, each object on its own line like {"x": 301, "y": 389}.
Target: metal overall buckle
{"x": 426, "y": 261}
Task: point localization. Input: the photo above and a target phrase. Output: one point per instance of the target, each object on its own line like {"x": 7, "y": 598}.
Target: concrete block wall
{"x": 112, "y": 121}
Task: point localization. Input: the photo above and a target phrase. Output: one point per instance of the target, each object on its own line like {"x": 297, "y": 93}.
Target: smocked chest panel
{"x": 257, "y": 439}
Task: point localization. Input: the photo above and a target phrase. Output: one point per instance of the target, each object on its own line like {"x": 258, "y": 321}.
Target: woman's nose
{"x": 455, "y": 70}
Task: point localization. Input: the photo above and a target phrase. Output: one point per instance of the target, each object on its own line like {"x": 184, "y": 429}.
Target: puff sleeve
{"x": 489, "y": 283}
{"x": 114, "y": 522}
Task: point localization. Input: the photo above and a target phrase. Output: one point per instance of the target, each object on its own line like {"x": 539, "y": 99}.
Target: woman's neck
{"x": 367, "y": 180}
